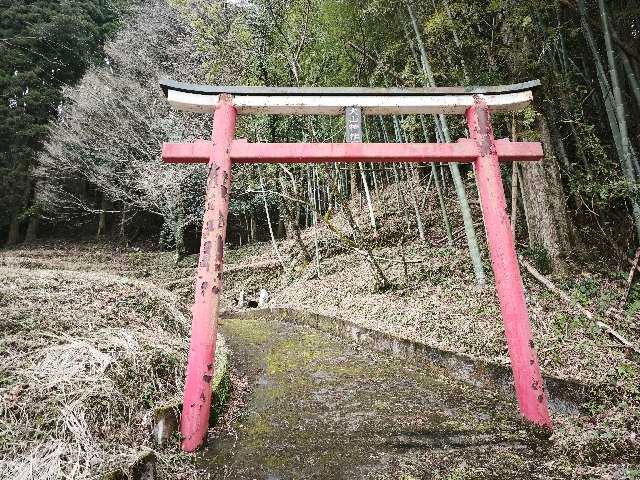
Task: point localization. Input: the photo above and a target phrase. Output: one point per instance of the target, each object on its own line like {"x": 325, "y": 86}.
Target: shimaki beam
{"x": 464, "y": 151}
{"x": 482, "y": 150}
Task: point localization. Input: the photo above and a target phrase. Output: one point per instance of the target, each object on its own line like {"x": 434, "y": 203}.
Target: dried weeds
{"x": 86, "y": 358}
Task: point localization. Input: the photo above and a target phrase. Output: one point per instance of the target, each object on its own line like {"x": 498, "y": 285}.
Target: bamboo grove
{"x": 100, "y": 165}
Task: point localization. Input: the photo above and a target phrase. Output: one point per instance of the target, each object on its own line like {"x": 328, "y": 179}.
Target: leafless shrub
{"x": 111, "y": 128}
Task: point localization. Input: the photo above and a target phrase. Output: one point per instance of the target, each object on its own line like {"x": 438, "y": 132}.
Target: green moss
{"x": 254, "y": 331}
{"x": 221, "y": 386}
{"x": 115, "y": 475}
{"x": 291, "y": 355}
{"x": 319, "y": 405}
{"x": 258, "y": 424}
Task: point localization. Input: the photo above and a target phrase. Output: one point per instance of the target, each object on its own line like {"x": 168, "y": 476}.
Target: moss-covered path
{"x": 320, "y": 409}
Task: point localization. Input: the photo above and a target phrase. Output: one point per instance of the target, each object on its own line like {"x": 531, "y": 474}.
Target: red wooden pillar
{"x": 200, "y": 367}
{"x": 524, "y": 363}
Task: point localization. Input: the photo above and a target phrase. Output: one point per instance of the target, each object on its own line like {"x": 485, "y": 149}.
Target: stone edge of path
{"x": 565, "y": 395}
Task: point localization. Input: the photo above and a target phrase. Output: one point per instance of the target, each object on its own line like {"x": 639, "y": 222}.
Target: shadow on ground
{"x": 322, "y": 408}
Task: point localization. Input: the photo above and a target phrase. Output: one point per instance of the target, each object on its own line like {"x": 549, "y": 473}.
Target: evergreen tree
{"x": 45, "y": 45}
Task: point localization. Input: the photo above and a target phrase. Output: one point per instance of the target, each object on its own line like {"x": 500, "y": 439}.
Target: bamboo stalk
{"x": 456, "y": 40}
{"x": 412, "y": 188}
{"x": 619, "y": 104}
{"x": 372, "y": 216}
{"x": 631, "y": 77}
{"x": 623, "y": 148}
{"x": 274, "y": 244}
{"x": 399, "y": 197}
{"x": 436, "y": 179}
{"x": 441, "y": 124}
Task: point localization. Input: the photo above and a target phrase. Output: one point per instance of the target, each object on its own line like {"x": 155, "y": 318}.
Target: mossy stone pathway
{"x": 321, "y": 408}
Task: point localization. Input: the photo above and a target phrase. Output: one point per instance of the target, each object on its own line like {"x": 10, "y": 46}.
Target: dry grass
{"x": 86, "y": 358}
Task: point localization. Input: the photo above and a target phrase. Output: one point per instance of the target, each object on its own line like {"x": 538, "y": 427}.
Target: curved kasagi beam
{"x": 334, "y": 100}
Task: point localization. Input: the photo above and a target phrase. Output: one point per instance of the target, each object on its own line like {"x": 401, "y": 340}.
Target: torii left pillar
{"x": 202, "y": 348}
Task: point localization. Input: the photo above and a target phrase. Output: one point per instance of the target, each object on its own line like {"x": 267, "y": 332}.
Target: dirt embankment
{"x": 87, "y": 356}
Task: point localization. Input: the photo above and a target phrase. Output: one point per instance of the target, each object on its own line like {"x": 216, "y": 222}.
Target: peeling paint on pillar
{"x": 197, "y": 391}
{"x": 529, "y": 387}
{"x": 483, "y": 150}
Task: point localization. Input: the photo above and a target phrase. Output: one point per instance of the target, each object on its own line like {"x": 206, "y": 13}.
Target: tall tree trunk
{"x": 247, "y": 227}
{"x": 514, "y": 198}
{"x": 13, "y": 236}
{"x": 414, "y": 199}
{"x": 434, "y": 166}
{"x": 316, "y": 243}
{"x": 548, "y": 221}
{"x": 310, "y": 195}
{"x": 631, "y": 77}
{"x": 436, "y": 179}
{"x": 282, "y": 231}
{"x": 32, "y": 229}
{"x": 376, "y": 188}
{"x": 412, "y": 187}
{"x": 123, "y": 223}
{"x": 178, "y": 229}
{"x": 397, "y": 172}
{"x": 396, "y": 179}
{"x": 252, "y": 225}
{"x": 293, "y": 224}
{"x": 102, "y": 217}
{"x": 353, "y": 178}
{"x": 372, "y": 217}
{"x": 34, "y": 216}
{"x": 178, "y": 236}
{"x": 274, "y": 244}
{"x": 514, "y": 181}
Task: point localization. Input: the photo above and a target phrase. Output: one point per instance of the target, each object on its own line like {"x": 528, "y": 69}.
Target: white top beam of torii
{"x": 334, "y": 101}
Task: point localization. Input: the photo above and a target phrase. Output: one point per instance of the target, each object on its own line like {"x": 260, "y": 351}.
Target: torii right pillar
{"x": 530, "y": 391}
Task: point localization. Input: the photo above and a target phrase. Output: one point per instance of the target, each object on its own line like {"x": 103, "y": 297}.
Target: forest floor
{"x": 434, "y": 301}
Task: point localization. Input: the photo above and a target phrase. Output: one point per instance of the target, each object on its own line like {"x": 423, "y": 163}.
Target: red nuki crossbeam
{"x": 464, "y": 151}
{"x": 482, "y": 150}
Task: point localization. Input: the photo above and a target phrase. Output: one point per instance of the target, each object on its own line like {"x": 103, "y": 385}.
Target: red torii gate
{"x": 483, "y": 150}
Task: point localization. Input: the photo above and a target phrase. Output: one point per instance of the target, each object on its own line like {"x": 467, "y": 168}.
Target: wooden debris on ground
{"x": 549, "y": 284}
{"x": 632, "y": 272}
